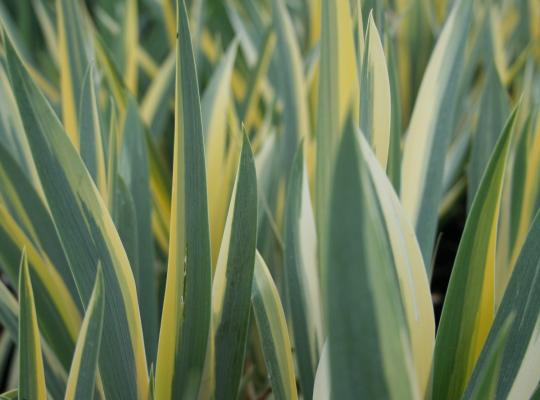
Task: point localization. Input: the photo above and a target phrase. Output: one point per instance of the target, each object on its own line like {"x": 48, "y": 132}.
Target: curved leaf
{"x": 411, "y": 273}
{"x": 88, "y": 236}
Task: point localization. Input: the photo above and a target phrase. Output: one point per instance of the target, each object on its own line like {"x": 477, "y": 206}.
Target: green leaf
{"x": 156, "y": 101}
{"x": 112, "y": 158}
{"x": 290, "y": 84}
{"x": 368, "y": 343}
{"x": 125, "y": 220}
{"x": 484, "y": 384}
{"x": 9, "y": 312}
{"x": 393, "y": 167}
{"x": 129, "y": 40}
{"x": 75, "y": 53}
{"x": 338, "y": 93}
{"x": 302, "y": 274}
{"x": 375, "y": 95}
{"x": 82, "y": 375}
{"x": 493, "y": 110}
{"x": 91, "y": 137}
{"x": 231, "y": 294}
{"x": 185, "y": 323}
{"x": 25, "y": 218}
{"x": 469, "y": 304}
{"x": 409, "y": 266}
{"x": 520, "y": 372}
{"x": 432, "y": 123}
{"x": 259, "y": 72}
{"x": 272, "y": 327}
{"x": 9, "y": 318}
{"x": 31, "y": 373}
{"x": 134, "y": 167}
{"x": 88, "y": 235}
{"x": 110, "y": 72}
{"x": 215, "y": 104}
{"x": 12, "y": 134}
{"x": 10, "y": 395}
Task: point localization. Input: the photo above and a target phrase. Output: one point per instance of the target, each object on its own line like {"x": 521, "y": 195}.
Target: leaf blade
{"x": 469, "y": 304}
{"x": 272, "y": 327}
{"x": 31, "y": 372}
{"x": 183, "y": 341}
{"x": 231, "y": 292}
{"x": 83, "y": 371}
{"x": 430, "y": 128}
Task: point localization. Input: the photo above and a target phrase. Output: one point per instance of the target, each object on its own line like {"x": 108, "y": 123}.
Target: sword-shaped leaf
{"x": 375, "y": 100}
{"x": 520, "y": 371}
{"x": 469, "y": 305}
{"x": 231, "y": 295}
{"x": 185, "y": 323}
{"x": 75, "y": 50}
{"x": 272, "y": 327}
{"x": 338, "y": 94}
{"x": 369, "y": 349}
{"x": 133, "y": 167}
{"x": 82, "y": 375}
{"x": 432, "y": 123}
{"x": 302, "y": 274}
{"x": 31, "y": 373}
{"x": 88, "y": 236}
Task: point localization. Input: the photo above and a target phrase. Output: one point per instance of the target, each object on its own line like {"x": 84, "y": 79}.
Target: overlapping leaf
{"x": 185, "y": 322}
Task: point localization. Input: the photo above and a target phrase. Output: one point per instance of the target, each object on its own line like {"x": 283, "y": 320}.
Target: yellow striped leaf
{"x": 272, "y": 327}
{"x": 291, "y": 85}
{"x": 83, "y": 372}
{"x": 411, "y": 273}
{"x": 55, "y": 374}
{"x": 156, "y": 100}
{"x": 29, "y": 225}
{"x": 133, "y": 168}
{"x": 368, "y": 339}
{"x": 375, "y": 101}
{"x": 31, "y": 373}
{"x": 519, "y": 372}
{"x": 91, "y": 137}
{"x": 484, "y": 384}
{"x": 88, "y": 236}
{"x": 338, "y": 94}
{"x": 431, "y": 125}
{"x": 469, "y": 306}
{"x": 74, "y": 56}
{"x": 302, "y": 274}
{"x": 231, "y": 290}
{"x": 185, "y": 323}
{"x": 214, "y": 106}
